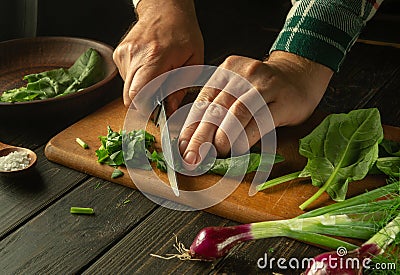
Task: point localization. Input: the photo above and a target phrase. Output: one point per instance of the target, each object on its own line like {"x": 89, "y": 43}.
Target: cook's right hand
{"x": 166, "y": 36}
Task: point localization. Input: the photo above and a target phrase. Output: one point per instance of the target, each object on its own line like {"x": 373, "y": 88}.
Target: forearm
{"x": 324, "y": 31}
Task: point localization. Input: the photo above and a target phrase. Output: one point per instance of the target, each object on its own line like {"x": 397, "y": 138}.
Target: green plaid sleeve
{"x": 324, "y": 30}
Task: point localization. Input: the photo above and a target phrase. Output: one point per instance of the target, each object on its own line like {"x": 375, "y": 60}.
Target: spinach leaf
{"x": 340, "y": 150}
{"x": 158, "y": 158}
{"x": 390, "y": 148}
{"x": 110, "y": 151}
{"x": 86, "y": 71}
{"x": 135, "y": 150}
{"x": 117, "y": 173}
{"x": 236, "y": 166}
{"x": 389, "y": 166}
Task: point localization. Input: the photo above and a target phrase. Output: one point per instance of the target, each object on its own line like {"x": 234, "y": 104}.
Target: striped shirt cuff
{"x": 324, "y": 31}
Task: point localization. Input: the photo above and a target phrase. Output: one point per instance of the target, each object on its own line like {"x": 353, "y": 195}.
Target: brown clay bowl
{"x": 20, "y": 57}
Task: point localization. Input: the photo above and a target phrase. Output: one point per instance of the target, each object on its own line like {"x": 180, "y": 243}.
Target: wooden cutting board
{"x": 275, "y": 203}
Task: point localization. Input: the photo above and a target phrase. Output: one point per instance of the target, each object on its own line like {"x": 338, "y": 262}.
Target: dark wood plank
{"x": 23, "y": 197}
{"x": 56, "y": 241}
{"x": 246, "y": 258}
{"x": 156, "y": 235}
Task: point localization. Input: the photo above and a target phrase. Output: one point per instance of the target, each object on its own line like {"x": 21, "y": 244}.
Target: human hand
{"x": 290, "y": 85}
{"x": 166, "y": 36}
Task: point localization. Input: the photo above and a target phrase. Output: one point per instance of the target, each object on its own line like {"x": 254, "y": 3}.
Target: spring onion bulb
{"x": 371, "y": 248}
{"x": 355, "y": 218}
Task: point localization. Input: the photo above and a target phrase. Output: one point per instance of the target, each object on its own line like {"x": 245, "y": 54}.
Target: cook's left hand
{"x": 290, "y": 85}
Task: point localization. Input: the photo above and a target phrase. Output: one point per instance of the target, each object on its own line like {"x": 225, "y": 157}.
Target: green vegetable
{"x": 389, "y": 166}
{"x": 236, "y": 166}
{"x": 137, "y": 143}
{"x": 82, "y": 143}
{"x": 136, "y": 152}
{"x": 117, "y": 173}
{"x": 158, "y": 158}
{"x": 355, "y": 219}
{"x": 340, "y": 150}
{"x": 390, "y": 148}
{"x": 375, "y": 246}
{"x": 127, "y": 201}
{"x": 111, "y": 153}
{"x": 86, "y": 71}
{"x": 278, "y": 180}
{"x": 82, "y": 210}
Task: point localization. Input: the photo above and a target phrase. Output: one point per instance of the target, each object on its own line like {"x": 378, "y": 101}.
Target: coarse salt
{"x": 14, "y": 161}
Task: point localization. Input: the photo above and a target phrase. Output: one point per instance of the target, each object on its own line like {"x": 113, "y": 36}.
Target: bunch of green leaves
{"x": 342, "y": 149}
{"x": 86, "y": 71}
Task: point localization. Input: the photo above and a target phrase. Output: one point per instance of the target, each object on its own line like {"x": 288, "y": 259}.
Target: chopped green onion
{"x": 127, "y": 201}
{"x": 117, "y": 173}
{"x": 82, "y": 143}
{"x": 82, "y": 210}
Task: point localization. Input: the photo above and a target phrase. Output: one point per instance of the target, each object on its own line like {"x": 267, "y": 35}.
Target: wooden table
{"x": 38, "y": 235}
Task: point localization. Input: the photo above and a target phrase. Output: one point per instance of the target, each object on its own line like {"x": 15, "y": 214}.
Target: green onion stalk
{"x": 356, "y": 218}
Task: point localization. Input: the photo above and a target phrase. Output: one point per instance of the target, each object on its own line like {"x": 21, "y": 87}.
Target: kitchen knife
{"x": 161, "y": 120}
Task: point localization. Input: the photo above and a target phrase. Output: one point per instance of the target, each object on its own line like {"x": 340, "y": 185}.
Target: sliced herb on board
{"x": 117, "y": 173}
{"x": 87, "y": 70}
{"x": 83, "y": 144}
{"x": 139, "y": 150}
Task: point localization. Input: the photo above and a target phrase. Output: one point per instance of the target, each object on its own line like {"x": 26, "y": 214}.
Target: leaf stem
{"x": 321, "y": 190}
{"x": 278, "y": 180}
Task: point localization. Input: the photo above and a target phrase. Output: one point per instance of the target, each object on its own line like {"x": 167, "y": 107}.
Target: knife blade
{"x": 162, "y": 122}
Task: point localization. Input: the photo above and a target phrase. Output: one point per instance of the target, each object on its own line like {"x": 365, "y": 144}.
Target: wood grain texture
{"x": 23, "y": 197}
{"x": 276, "y": 203}
{"x": 57, "y": 242}
{"x": 156, "y": 235}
